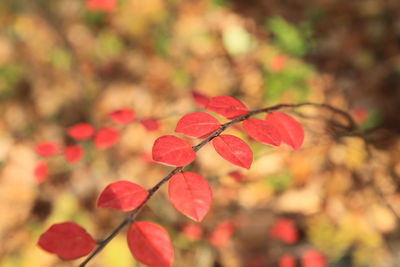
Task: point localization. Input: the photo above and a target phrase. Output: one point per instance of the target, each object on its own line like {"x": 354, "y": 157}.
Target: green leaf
{"x": 288, "y": 37}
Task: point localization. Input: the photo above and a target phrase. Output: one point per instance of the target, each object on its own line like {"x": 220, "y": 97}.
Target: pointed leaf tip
{"x": 290, "y": 130}
{"x": 150, "y": 244}
{"x": 200, "y": 99}
{"x": 227, "y": 106}
{"x": 197, "y": 124}
{"x": 234, "y": 150}
{"x": 262, "y": 131}
{"x": 171, "y": 150}
{"x": 122, "y": 195}
{"x": 190, "y": 194}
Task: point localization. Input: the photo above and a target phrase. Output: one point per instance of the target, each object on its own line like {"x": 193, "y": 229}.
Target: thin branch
{"x": 132, "y": 216}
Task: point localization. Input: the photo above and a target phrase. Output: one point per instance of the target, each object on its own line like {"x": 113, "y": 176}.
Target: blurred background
{"x": 335, "y": 202}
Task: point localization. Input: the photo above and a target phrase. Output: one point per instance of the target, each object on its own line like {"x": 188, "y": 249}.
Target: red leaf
{"x": 73, "y": 153}
{"x": 262, "y": 131}
{"x": 313, "y": 258}
{"x": 220, "y": 236}
{"x": 40, "y": 171}
{"x": 192, "y": 231}
{"x": 150, "y": 244}
{"x": 47, "y": 149}
{"x": 287, "y": 260}
{"x": 171, "y": 150}
{"x": 227, "y": 106}
{"x": 360, "y": 115}
{"x": 122, "y": 195}
{"x": 106, "y": 137}
{"x": 101, "y": 5}
{"x": 237, "y": 176}
{"x": 67, "y": 240}
{"x": 150, "y": 124}
{"x": 190, "y": 194}
{"x": 200, "y": 99}
{"x": 197, "y": 124}
{"x": 234, "y": 150}
{"x": 284, "y": 230}
{"x": 80, "y": 131}
{"x": 291, "y": 131}
{"x": 278, "y": 62}
{"x": 122, "y": 116}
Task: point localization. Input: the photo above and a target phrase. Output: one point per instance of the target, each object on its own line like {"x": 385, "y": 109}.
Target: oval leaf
{"x": 101, "y": 5}
{"x": 122, "y": 195}
{"x": 190, "y": 194}
{"x": 73, "y": 153}
{"x": 106, "y": 137}
{"x": 200, "y": 99}
{"x": 150, "y": 244}
{"x": 221, "y": 235}
{"x": 150, "y": 124}
{"x": 192, "y": 231}
{"x": 47, "y": 149}
{"x": 122, "y": 116}
{"x": 291, "y": 131}
{"x": 80, "y": 131}
{"x": 172, "y": 150}
{"x": 197, "y": 124}
{"x": 234, "y": 150}
{"x": 284, "y": 230}
{"x": 287, "y": 260}
{"x": 262, "y": 131}
{"x": 313, "y": 258}
{"x": 67, "y": 240}
{"x": 40, "y": 171}
{"x": 227, "y": 106}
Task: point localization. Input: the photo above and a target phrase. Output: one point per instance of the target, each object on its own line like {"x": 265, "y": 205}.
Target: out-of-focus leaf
{"x": 237, "y": 41}
{"x": 288, "y": 37}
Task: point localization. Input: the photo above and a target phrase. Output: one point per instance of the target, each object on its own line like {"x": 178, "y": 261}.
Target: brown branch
{"x": 132, "y": 216}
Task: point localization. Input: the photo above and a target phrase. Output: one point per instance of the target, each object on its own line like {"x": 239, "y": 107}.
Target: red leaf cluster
{"x": 188, "y": 192}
